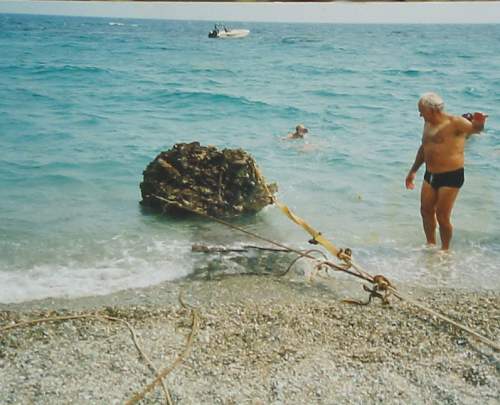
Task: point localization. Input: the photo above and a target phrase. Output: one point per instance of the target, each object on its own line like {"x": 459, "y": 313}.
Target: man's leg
{"x": 428, "y": 200}
{"x": 446, "y": 200}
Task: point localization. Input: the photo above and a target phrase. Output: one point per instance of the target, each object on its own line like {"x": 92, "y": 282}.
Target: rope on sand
{"x": 180, "y": 358}
{"x": 100, "y": 317}
{"x": 380, "y": 282}
{"x": 166, "y": 392}
{"x": 96, "y": 315}
{"x": 382, "y": 287}
{"x": 43, "y": 320}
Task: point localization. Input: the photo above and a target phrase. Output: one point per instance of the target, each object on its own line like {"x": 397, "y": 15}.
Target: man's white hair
{"x": 432, "y": 101}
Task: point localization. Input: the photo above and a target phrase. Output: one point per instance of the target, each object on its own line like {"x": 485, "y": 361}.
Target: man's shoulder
{"x": 460, "y": 124}
{"x": 458, "y": 119}
{"x": 456, "y": 122}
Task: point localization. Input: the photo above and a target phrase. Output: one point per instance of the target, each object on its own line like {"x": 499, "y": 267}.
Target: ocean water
{"x": 87, "y": 103}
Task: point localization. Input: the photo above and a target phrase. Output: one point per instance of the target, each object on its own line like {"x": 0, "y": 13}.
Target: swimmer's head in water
{"x": 301, "y": 129}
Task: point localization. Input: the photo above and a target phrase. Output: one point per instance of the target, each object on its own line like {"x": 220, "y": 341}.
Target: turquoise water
{"x": 86, "y": 103}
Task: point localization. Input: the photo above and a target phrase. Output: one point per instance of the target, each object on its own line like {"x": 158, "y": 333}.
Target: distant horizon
{"x": 369, "y": 12}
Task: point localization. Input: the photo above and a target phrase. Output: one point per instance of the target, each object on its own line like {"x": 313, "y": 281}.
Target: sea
{"x": 87, "y": 103}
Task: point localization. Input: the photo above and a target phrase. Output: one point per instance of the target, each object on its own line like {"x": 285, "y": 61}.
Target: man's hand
{"x": 479, "y": 118}
{"x": 410, "y": 180}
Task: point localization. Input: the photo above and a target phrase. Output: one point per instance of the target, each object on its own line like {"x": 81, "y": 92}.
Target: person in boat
{"x": 215, "y": 32}
{"x": 300, "y": 132}
{"x": 442, "y": 151}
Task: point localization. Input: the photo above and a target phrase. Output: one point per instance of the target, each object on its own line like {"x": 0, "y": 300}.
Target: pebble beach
{"x": 100, "y": 299}
{"x": 258, "y": 340}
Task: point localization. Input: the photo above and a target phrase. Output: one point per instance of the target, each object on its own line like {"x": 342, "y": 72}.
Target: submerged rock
{"x": 190, "y": 177}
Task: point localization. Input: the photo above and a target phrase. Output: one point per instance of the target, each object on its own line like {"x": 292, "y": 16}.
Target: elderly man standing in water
{"x": 442, "y": 151}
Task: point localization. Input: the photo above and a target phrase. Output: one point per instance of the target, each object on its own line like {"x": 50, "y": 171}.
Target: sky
{"x": 337, "y": 12}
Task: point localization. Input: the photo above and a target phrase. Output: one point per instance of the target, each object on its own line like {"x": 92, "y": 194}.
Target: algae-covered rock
{"x": 204, "y": 179}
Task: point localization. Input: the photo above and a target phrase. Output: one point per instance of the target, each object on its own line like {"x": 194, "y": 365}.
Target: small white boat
{"x": 233, "y": 34}
{"x": 221, "y": 31}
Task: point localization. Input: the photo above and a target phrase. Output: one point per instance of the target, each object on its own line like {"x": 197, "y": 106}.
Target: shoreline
{"x": 260, "y": 340}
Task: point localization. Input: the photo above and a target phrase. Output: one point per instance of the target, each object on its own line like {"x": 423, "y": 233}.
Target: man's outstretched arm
{"x": 470, "y": 124}
{"x": 419, "y": 160}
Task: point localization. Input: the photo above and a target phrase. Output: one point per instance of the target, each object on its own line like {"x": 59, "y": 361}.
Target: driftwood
{"x": 245, "y": 248}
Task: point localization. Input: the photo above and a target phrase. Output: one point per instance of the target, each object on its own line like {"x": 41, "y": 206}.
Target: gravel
{"x": 261, "y": 340}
